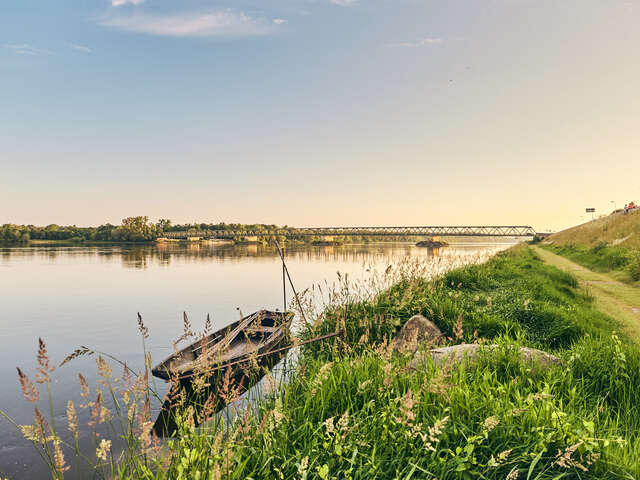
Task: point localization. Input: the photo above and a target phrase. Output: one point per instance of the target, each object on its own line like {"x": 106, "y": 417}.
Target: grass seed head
{"x": 29, "y": 390}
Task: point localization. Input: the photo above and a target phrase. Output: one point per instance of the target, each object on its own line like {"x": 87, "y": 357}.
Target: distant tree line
{"x": 132, "y": 229}
{"x": 140, "y": 229}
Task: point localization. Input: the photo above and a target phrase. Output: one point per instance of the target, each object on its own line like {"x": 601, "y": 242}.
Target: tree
{"x": 162, "y": 225}
{"x": 136, "y": 229}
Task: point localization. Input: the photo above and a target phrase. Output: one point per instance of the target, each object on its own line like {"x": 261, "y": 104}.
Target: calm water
{"x": 72, "y": 296}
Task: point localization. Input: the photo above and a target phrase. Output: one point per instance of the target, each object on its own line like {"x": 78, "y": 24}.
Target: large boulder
{"x": 458, "y": 353}
{"x": 417, "y": 330}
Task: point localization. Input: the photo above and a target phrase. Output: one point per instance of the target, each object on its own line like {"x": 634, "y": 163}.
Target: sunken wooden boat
{"x": 216, "y": 369}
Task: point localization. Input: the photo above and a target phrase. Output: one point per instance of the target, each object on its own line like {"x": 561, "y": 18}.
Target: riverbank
{"x": 355, "y": 408}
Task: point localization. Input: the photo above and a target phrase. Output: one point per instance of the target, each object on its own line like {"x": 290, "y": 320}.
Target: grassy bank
{"x": 355, "y": 410}
{"x": 609, "y": 244}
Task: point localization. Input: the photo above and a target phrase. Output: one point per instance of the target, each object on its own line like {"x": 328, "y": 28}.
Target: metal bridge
{"x": 432, "y": 231}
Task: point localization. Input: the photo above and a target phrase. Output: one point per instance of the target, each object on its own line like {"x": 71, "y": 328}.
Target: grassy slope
{"x": 608, "y": 244}
{"x": 358, "y": 413}
{"x": 607, "y": 229}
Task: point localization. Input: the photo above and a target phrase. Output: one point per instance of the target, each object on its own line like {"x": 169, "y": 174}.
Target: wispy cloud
{"x": 280, "y": 21}
{"x": 26, "y": 49}
{"x": 343, "y": 3}
{"x": 80, "y": 48}
{"x": 424, "y": 42}
{"x": 220, "y": 23}
{"x": 119, "y": 3}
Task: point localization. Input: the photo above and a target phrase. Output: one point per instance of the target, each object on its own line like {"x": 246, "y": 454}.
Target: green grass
{"x": 356, "y": 410}
{"x": 514, "y": 293}
{"x": 492, "y": 407}
{"x": 602, "y": 258}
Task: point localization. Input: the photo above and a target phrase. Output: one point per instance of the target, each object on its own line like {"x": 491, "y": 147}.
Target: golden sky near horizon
{"x": 338, "y": 113}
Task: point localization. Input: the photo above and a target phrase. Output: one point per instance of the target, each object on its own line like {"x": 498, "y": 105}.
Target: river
{"x": 90, "y": 295}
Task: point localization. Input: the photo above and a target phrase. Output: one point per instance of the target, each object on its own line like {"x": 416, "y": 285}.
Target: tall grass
{"x": 355, "y": 409}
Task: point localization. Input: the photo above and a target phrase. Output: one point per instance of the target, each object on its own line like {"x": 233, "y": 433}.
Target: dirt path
{"x": 617, "y": 299}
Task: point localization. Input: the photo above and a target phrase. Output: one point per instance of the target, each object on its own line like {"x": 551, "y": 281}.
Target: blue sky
{"x": 318, "y": 112}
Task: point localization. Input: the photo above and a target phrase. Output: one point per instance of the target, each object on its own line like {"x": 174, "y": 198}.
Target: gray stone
{"x": 458, "y": 353}
{"x": 417, "y": 330}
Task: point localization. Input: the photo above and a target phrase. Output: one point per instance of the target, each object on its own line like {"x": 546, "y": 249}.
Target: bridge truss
{"x": 427, "y": 231}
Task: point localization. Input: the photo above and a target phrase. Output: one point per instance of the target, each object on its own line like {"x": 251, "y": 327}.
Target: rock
{"x": 458, "y": 353}
{"x": 543, "y": 358}
{"x": 417, "y": 330}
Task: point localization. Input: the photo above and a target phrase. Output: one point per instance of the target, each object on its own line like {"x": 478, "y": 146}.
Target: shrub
{"x": 633, "y": 266}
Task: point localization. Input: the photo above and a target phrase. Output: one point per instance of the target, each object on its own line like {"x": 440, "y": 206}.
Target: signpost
{"x": 592, "y": 211}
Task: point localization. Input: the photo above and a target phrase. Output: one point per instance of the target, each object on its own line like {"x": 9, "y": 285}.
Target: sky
{"x": 319, "y": 112}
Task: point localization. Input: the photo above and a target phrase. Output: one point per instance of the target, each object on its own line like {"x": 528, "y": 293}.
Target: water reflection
{"x": 143, "y": 256}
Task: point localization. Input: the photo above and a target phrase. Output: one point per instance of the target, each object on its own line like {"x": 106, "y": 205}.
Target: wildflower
{"x": 304, "y": 464}
{"x": 513, "y": 475}
{"x": 433, "y": 434}
{"x": 61, "y": 465}
{"x": 144, "y": 331}
{"x": 44, "y": 365}
{"x": 84, "y": 386}
{"x": 30, "y": 433}
{"x": 103, "y": 449}
{"x": 78, "y": 352}
{"x": 321, "y": 376}
{"x": 126, "y": 378}
{"x": 144, "y": 434}
{"x": 362, "y": 386}
{"x": 207, "y": 325}
{"x": 565, "y": 460}
{"x": 490, "y": 423}
{"x": 278, "y": 416}
{"x": 388, "y": 378}
{"x": 72, "y": 418}
{"x": 458, "y": 332}
{"x": 104, "y": 370}
{"x": 343, "y": 422}
{"x": 592, "y": 458}
{"x": 208, "y": 409}
{"x": 328, "y": 425}
{"x": 41, "y": 426}
{"x": 29, "y": 390}
{"x": 502, "y": 456}
{"x": 269, "y": 383}
{"x": 406, "y": 406}
{"x": 140, "y": 385}
{"x": 99, "y": 413}
{"x": 516, "y": 411}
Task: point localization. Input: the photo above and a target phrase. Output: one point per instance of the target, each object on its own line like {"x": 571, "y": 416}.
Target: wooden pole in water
{"x": 286, "y": 270}
{"x": 284, "y": 285}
